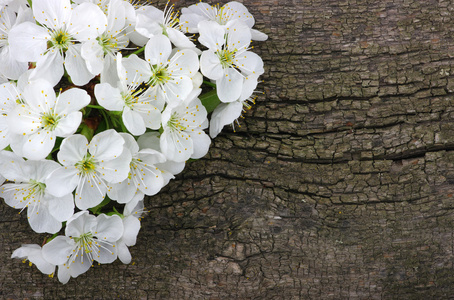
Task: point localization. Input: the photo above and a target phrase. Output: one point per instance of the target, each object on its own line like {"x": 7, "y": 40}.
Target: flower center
{"x": 174, "y": 123}
{"x": 86, "y": 165}
{"x": 60, "y": 39}
{"x": 108, "y": 43}
{"x": 49, "y": 121}
{"x": 85, "y": 241}
{"x": 226, "y": 58}
{"x": 35, "y": 188}
{"x": 131, "y": 97}
{"x": 159, "y": 76}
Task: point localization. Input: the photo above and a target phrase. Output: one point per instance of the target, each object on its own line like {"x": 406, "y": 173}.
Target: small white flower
{"x": 169, "y": 74}
{"x": 42, "y": 116}
{"x": 90, "y": 167}
{"x": 227, "y": 60}
{"x": 100, "y": 53}
{"x": 151, "y": 21}
{"x": 194, "y": 14}
{"x": 26, "y": 188}
{"x": 55, "y": 40}
{"x": 87, "y": 238}
{"x": 140, "y": 109}
{"x": 183, "y": 135}
{"x": 33, "y": 253}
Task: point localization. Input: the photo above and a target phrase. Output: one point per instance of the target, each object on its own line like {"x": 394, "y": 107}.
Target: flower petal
{"x": 57, "y": 251}
{"x": 109, "y": 97}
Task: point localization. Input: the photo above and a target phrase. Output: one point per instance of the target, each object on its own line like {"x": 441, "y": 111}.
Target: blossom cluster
{"x": 102, "y": 103}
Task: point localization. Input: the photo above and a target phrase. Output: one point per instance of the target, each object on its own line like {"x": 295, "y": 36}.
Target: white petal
{"x": 238, "y": 35}
{"x": 224, "y": 114}
{"x": 158, "y": 50}
{"x": 109, "y": 228}
{"x": 93, "y": 54}
{"x": 179, "y": 39}
{"x": 123, "y": 253}
{"x": 28, "y": 41}
{"x": 33, "y": 253}
{"x": 116, "y": 170}
{"x": 9, "y": 66}
{"x": 72, "y": 100}
{"x": 201, "y": 143}
{"x": 131, "y": 230}
{"x": 80, "y": 264}
{"x": 68, "y": 125}
{"x": 52, "y": 13}
{"x": 87, "y": 22}
{"x": 57, "y": 251}
{"x": 48, "y": 67}
{"x": 229, "y": 86}
{"x": 107, "y": 253}
{"x": 72, "y": 150}
{"x": 109, "y": 97}
{"x": 133, "y": 121}
{"x": 76, "y": 67}
{"x": 258, "y": 35}
{"x": 41, "y": 220}
{"x": 39, "y": 145}
{"x": 249, "y": 63}
{"x": 63, "y": 274}
{"x": 210, "y": 65}
{"x": 184, "y": 62}
{"x": 62, "y": 208}
{"x": 62, "y": 181}
{"x": 80, "y": 223}
{"x": 122, "y": 192}
{"x": 211, "y": 34}
{"x": 137, "y": 70}
{"x": 90, "y": 192}
{"x": 106, "y": 145}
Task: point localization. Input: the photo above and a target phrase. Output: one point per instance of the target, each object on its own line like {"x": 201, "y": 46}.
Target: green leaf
{"x": 210, "y": 100}
{"x": 96, "y": 210}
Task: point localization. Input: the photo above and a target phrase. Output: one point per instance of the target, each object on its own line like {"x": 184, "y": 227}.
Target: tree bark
{"x": 337, "y": 185}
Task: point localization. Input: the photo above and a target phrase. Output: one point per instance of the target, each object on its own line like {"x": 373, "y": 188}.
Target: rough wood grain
{"x": 338, "y": 185}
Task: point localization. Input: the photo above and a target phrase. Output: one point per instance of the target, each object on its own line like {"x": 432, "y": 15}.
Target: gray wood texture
{"x": 337, "y": 185}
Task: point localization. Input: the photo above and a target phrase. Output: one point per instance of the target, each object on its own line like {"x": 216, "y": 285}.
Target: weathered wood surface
{"x": 338, "y": 185}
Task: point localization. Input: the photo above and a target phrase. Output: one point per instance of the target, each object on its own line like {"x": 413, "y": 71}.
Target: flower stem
{"x": 209, "y": 83}
{"x": 137, "y": 51}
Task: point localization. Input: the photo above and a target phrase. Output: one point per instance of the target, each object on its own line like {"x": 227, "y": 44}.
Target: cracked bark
{"x": 339, "y": 184}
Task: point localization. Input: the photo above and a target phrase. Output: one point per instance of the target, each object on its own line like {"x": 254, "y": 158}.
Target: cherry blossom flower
{"x": 227, "y": 60}
{"x": 183, "y": 135}
{"x": 26, "y": 188}
{"x": 151, "y": 21}
{"x": 140, "y": 108}
{"x": 42, "y": 116}
{"x": 194, "y": 14}
{"x": 55, "y": 40}
{"x": 169, "y": 74}
{"x": 87, "y": 238}
{"x": 90, "y": 167}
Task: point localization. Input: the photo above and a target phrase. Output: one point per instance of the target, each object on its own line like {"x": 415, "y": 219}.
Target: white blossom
{"x": 169, "y": 74}
{"x": 26, "y": 188}
{"x": 42, "y": 116}
{"x": 87, "y": 238}
{"x": 227, "y": 60}
{"x": 62, "y": 26}
{"x": 90, "y": 167}
{"x": 194, "y": 14}
{"x": 183, "y": 135}
{"x": 140, "y": 108}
